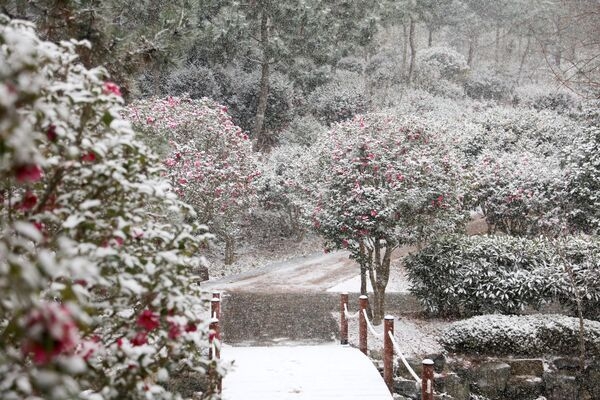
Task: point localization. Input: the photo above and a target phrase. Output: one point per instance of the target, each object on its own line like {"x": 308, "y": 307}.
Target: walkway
{"x": 324, "y": 372}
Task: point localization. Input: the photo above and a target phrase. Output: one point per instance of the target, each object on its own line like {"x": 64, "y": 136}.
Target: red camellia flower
{"x": 174, "y": 330}
{"x": 148, "y": 320}
{"x": 50, "y": 331}
{"x": 51, "y": 133}
{"x": 191, "y": 327}
{"x": 140, "y": 339}
{"x": 90, "y": 156}
{"x": 111, "y": 87}
{"x": 28, "y": 202}
{"x": 28, "y": 173}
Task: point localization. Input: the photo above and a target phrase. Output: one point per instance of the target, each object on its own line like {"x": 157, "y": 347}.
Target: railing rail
{"x": 390, "y": 345}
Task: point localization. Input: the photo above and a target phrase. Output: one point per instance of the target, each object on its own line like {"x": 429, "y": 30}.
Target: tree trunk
{"x": 379, "y": 274}
{"x": 430, "y": 36}
{"x": 229, "y": 250}
{"x": 404, "y": 47}
{"x": 261, "y": 141}
{"x": 471, "y": 54}
{"x": 523, "y": 58}
{"x": 497, "y": 47}
{"x": 413, "y": 49}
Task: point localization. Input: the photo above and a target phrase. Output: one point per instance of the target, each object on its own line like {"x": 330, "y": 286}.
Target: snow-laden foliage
{"x": 468, "y": 275}
{"x": 487, "y": 85}
{"x": 528, "y": 335}
{"x": 287, "y": 185}
{"x": 583, "y": 182}
{"x": 302, "y": 131}
{"x": 389, "y": 183}
{"x": 340, "y": 99}
{"x": 211, "y": 163}
{"x": 545, "y": 98}
{"x": 197, "y": 81}
{"x": 441, "y": 70}
{"x": 95, "y": 256}
{"x": 520, "y": 193}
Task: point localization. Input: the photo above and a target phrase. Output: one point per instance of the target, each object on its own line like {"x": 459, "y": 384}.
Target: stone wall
{"x": 464, "y": 378}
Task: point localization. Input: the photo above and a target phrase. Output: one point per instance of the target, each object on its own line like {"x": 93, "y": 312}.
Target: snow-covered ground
{"x": 325, "y": 372}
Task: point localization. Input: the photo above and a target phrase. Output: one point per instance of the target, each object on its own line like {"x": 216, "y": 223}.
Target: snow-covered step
{"x": 323, "y": 372}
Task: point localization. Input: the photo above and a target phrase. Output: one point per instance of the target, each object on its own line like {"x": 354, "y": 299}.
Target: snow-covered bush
{"x": 95, "y": 253}
{"x": 486, "y": 85}
{"x": 545, "y": 98}
{"x": 196, "y": 81}
{"x": 527, "y": 335}
{"x": 441, "y": 70}
{"x": 211, "y": 163}
{"x": 240, "y": 90}
{"x": 389, "y": 183}
{"x": 307, "y": 76}
{"x": 302, "y": 131}
{"x": 352, "y": 64}
{"x": 383, "y": 70}
{"x": 285, "y": 187}
{"x": 468, "y": 275}
{"x": 583, "y": 182}
{"x": 339, "y": 100}
{"x": 519, "y": 193}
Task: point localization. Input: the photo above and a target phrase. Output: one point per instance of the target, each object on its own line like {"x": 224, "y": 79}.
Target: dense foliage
{"x": 95, "y": 253}
{"x": 526, "y": 335}
{"x": 469, "y": 275}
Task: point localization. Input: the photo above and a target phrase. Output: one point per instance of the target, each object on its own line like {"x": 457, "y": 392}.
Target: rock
{"x": 561, "y": 387}
{"x": 567, "y": 365}
{"x": 526, "y": 366}
{"x": 491, "y": 378}
{"x": 592, "y": 380}
{"x": 407, "y": 388}
{"x": 376, "y": 354}
{"x": 439, "y": 361}
{"x": 453, "y": 385}
{"x": 521, "y": 387}
{"x": 416, "y": 365}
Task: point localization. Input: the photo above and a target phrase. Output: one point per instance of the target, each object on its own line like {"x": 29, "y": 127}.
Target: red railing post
{"x": 427, "y": 380}
{"x": 214, "y": 334}
{"x": 388, "y": 352}
{"x": 363, "y": 304}
{"x": 215, "y": 307}
{"x": 343, "y": 319}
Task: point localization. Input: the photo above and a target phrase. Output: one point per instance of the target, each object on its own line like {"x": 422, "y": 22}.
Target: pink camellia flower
{"x": 345, "y": 243}
{"x": 148, "y": 320}
{"x": 111, "y": 87}
{"x": 191, "y": 327}
{"x": 28, "y": 173}
{"x": 49, "y": 332}
{"x": 374, "y": 213}
{"x": 150, "y": 120}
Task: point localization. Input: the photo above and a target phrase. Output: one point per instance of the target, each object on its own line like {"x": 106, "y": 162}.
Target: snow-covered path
{"x": 324, "y": 372}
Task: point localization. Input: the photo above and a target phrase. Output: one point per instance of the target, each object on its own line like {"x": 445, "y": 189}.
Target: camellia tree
{"x": 95, "y": 253}
{"x": 210, "y": 160}
{"x": 390, "y": 183}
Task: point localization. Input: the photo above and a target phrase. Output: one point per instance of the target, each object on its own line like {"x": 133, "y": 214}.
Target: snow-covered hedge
{"x": 485, "y": 85}
{"x": 525, "y": 335}
{"x": 339, "y": 100}
{"x": 469, "y": 275}
{"x": 545, "y": 98}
